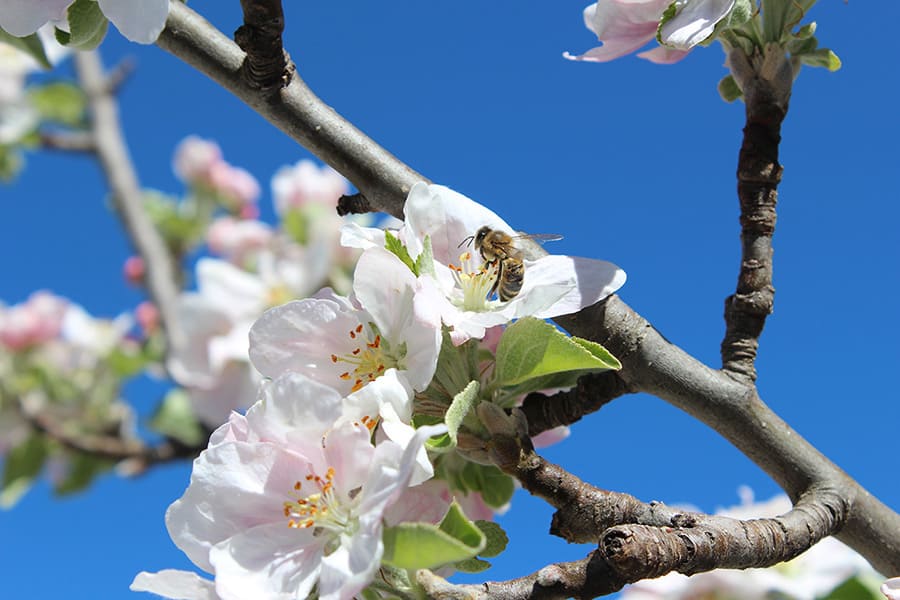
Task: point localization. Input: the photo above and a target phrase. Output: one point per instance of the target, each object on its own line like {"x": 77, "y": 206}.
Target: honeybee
{"x": 498, "y": 247}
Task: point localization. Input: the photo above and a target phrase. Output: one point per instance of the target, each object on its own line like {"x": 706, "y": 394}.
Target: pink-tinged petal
{"x": 200, "y": 322}
{"x": 234, "y": 487}
{"x": 234, "y": 389}
{"x": 400, "y": 432}
{"x": 612, "y": 49}
{"x": 177, "y": 585}
{"x": 551, "y": 436}
{"x": 891, "y": 588}
{"x": 349, "y": 451}
{"x": 271, "y": 561}
{"x": 231, "y": 289}
{"x": 390, "y": 389}
{"x": 234, "y": 346}
{"x": 301, "y": 336}
{"x": 24, "y": 17}
{"x": 447, "y": 217}
{"x": 295, "y": 410}
{"x": 662, "y": 55}
{"x": 352, "y": 566}
{"x": 139, "y": 21}
{"x": 617, "y": 19}
{"x": 427, "y": 502}
{"x": 235, "y": 429}
{"x": 694, "y": 22}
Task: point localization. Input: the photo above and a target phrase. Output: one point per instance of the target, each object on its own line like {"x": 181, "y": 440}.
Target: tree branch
{"x": 295, "y": 110}
{"x": 767, "y": 89}
{"x": 266, "y": 66}
{"x": 126, "y": 191}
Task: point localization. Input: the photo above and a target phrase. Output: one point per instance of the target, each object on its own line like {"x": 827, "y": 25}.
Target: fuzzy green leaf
{"x": 60, "y": 102}
{"x": 459, "y": 408}
{"x": 472, "y": 565}
{"x": 426, "y": 546}
{"x": 495, "y": 486}
{"x": 531, "y": 348}
{"x": 823, "y": 57}
{"x": 393, "y": 245}
{"x": 87, "y": 26}
{"x": 853, "y": 589}
{"x": 30, "y": 45}
{"x": 496, "y": 538}
{"x": 81, "y": 471}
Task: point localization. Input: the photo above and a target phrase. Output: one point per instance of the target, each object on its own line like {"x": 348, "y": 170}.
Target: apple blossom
{"x": 627, "y": 25}
{"x": 138, "y": 20}
{"x": 33, "y": 322}
{"x": 238, "y": 239}
{"x": 282, "y": 500}
{"x": 554, "y": 285}
{"x": 236, "y": 185}
{"x": 194, "y": 159}
{"x": 294, "y": 187}
{"x": 337, "y": 343}
{"x": 891, "y": 588}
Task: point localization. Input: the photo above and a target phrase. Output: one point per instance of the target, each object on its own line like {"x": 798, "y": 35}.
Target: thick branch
{"x": 767, "y": 87}
{"x": 126, "y": 191}
{"x": 295, "y": 110}
{"x": 654, "y": 365}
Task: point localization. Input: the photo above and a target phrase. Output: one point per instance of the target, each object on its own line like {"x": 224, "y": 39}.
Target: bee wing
{"x": 539, "y": 237}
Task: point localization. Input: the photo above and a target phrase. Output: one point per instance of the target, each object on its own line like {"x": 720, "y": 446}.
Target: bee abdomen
{"x": 511, "y": 277}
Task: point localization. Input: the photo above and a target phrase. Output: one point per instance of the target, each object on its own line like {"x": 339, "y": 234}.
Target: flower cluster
{"x": 139, "y": 21}
{"x": 364, "y": 432}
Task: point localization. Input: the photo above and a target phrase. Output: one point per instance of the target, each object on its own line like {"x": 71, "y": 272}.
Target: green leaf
{"x": 496, "y": 539}
{"x": 532, "y": 348}
{"x": 175, "y": 419}
{"x": 10, "y": 162}
{"x": 802, "y": 46}
{"x": 21, "y": 466}
{"x": 82, "y": 470}
{"x": 60, "y": 102}
{"x": 30, "y": 45}
{"x": 425, "y": 261}
{"x": 126, "y": 364}
{"x": 87, "y": 26}
{"x": 426, "y": 546}
{"x": 807, "y": 31}
{"x": 495, "y": 486}
{"x": 472, "y": 565}
{"x": 823, "y": 57}
{"x": 393, "y": 245}
{"x": 853, "y": 589}
{"x": 459, "y": 408}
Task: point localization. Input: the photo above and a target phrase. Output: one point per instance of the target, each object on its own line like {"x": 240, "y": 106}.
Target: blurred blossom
{"x": 194, "y": 159}
{"x": 134, "y": 270}
{"x": 891, "y": 588}
{"x": 237, "y": 239}
{"x": 33, "y": 322}
{"x": 305, "y": 183}
{"x": 147, "y": 316}
{"x": 811, "y": 575}
{"x": 237, "y": 185}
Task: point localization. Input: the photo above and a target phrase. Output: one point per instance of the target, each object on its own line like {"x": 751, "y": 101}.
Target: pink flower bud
{"x": 35, "y": 321}
{"x": 235, "y": 238}
{"x": 194, "y": 159}
{"x": 147, "y": 316}
{"x": 236, "y": 185}
{"x": 135, "y": 270}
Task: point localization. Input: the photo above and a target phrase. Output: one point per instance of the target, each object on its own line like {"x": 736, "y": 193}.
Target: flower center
{"x": 322, "y": 507}
{"x": 476, "y": 282}
{"x": 371, "y": 356}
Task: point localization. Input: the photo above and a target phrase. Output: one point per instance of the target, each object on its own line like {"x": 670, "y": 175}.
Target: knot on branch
{"x": 354, "y": 204}
{"x": 592, "y": 392}
{"x": 267, "y": 66}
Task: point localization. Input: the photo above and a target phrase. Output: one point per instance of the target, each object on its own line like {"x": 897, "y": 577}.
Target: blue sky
{"x": 631, "y": 162}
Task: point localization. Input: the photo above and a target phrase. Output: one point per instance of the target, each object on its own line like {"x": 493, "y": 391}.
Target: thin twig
{"x": 126, "y": 191}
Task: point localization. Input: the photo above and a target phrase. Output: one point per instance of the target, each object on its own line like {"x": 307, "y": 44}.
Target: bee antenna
{"x": 466, "y": 241}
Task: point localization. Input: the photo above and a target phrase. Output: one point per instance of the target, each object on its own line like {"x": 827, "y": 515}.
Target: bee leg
{"x": 497, "y": 279}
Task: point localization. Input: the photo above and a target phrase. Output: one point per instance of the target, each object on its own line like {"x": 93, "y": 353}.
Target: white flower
{"x": 138, "y": 20}
{"x": 627, "y": 25}
{"x": 554, "y": 284}
{"x": 335, "y": 342}
{"x": 891, "y": 588}
{"x": 280, "y": 501}
{"x": 304, "y": 183}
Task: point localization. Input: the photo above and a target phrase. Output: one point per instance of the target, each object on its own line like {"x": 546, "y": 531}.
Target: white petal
{"x": 447, "y": 217}
{"x": 235, "y": 389}
{"x": 891, "y": 588}
{"x": 388, "y": 389}
{"x": 348, "y": 449}
{"x": 24, "y": 17}
{"x": 694, "y": 22}
{"x": 352, "y": 566}
{"x": 354, "y": 236}
{"x": 270, "y": 561}
{"x": 177, "y": 585}
{"x": 295, "y": 410}
{"x": 560, "y": 285}
{"x": 140, "y": 21}
{"x": 236, "y": 292}
{"x": 398, "y": 430}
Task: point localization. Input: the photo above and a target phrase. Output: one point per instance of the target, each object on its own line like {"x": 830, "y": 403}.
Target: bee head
{"x": 478, "y": 238}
